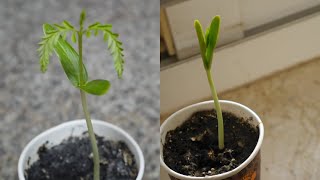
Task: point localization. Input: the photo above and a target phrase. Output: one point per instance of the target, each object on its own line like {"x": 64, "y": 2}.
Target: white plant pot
{"x": 182, "y": 115}
{"x": 58, "y": 133}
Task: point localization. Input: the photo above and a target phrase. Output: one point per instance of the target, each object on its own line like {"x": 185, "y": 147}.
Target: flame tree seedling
{"x": 54, "y": 39}
{"x": 207, "y": 43}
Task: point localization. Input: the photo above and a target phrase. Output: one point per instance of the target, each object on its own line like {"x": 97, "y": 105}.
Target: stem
{"x": 80, "y": 56}
{"x": 218, "y": 110}
{"x": 96, "y": 160}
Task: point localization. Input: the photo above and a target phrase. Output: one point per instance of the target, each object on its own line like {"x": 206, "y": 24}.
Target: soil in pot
{"x": 192, "y": 148}
{"x": 73, "y": 160}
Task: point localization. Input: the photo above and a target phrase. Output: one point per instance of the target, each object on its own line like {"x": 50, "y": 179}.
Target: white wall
{"x": 258, "y": 12}
{"x": 237, "y": 16}
{"x": 181, "y": 17}
{"x": 241, "y": 63}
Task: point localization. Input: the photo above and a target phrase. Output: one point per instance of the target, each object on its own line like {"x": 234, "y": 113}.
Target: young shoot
{"x": 54, "y": 39}
{"x": 207, "y": 44}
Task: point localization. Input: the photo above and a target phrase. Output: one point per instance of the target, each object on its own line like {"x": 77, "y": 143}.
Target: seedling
{"x": 207, "y": 44}
{"x": 54, "y": 39}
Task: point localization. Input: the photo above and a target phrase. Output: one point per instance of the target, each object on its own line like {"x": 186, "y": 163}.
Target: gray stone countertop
{"x": 31, "y": 102}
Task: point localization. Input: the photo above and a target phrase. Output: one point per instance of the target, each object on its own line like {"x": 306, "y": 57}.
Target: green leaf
{"x": 202, "y": 42}
{"x": 105, "y": 27}
{"x": 82, "y": 17}
{"x": 114, "y": 45}
{"x": 212, "y": 39}
{"x": 69, "y": 58}
{"x": 105, "y": 37}
{"x": 59, "y": 27}
{"x": 93, "y": 25}
{"x": 207, "y": 35}
{"x": 96, "y": 32}
{"x": 64, "y": 35}
{"x": 96, "y": 87}
{"x": 46, "y": 48}
{"x": 88, "y": 33}
{"x": 67, "y": 25}
{"x": 74, "y": 37}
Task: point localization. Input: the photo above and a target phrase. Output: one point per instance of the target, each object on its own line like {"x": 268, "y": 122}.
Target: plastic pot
{"x": 58, "y": 133}
{"x": 248, "y": 170}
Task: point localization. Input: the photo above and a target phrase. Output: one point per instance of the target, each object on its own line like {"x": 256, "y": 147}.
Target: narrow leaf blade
{"x": 82, "y": 17}
{"x": 88, "y": 33}
{"x": 59, "y": 26}
{"x": 96, "y": 32}
{"x": 74, "y": 37}
{"x": 67, "y": 25}
{"x": 202, "y": 42}
{"x": 212, "y": 39}
{"x": 93, "y": 25}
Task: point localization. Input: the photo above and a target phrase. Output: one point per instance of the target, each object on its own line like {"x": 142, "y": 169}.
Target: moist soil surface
{"x": 192, "y": 148}
{"x": 73, "y": 160}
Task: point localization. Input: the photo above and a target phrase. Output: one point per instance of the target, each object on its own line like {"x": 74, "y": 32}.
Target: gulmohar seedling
{"x": 192, "y": 150}
{"x": 54, "y": 39}
{"x": 207, "y": 43}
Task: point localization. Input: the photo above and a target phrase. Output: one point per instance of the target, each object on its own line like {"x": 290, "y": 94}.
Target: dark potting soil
{"x": 73, "y": 160}
{"x": 192, "y": 148}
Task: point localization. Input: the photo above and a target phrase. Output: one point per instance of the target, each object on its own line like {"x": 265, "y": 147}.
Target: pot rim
{"x": 23, "y": 157}
{"x": 226, "y": 174}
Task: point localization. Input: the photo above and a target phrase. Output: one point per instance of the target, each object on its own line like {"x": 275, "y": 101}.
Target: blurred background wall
{"x": 257, "y": 39}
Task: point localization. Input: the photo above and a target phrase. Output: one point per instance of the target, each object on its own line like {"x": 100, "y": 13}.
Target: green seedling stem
{"x": 207, "y": 44}
{"x": 94, "y": 146}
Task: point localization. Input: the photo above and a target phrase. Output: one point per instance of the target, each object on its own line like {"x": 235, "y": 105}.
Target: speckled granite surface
{"x": 31, "y": 102}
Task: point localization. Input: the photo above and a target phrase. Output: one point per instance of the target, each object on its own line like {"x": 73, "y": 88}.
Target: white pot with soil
{"x": 189, "y": 151}
{"x": 117, "y": 160}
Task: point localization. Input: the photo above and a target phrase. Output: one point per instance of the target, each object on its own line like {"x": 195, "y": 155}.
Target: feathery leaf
{"x": 49, "y": 40}
{"x": 46, "y": 48}
{"x": 114, "y": 45}
{"x": 69, "y": 59}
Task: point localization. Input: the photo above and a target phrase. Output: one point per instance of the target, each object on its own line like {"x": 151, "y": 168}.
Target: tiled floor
{"x": 289, "y": 106}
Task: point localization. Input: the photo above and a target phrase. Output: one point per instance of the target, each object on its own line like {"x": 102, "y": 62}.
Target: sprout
{"x": 54, "y": 39}
{"x": 207, "y": 44}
